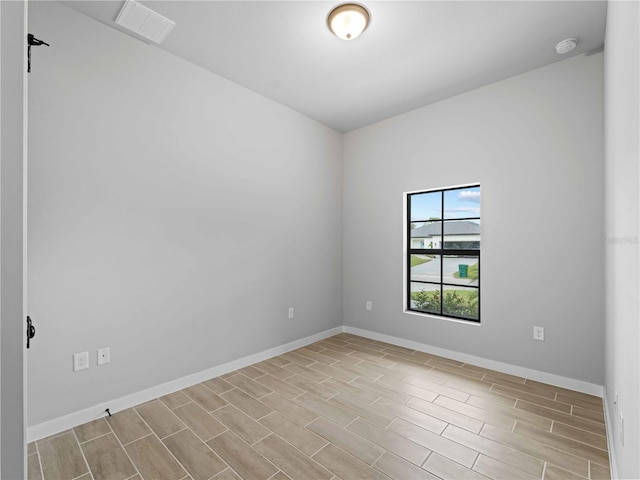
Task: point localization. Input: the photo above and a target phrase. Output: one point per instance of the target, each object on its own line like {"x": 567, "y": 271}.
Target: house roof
{"x": 462, "y": 227}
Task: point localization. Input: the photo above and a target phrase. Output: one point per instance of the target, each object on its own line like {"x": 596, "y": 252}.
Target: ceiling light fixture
{"x": 348, "y": 21}
{"x": 566, "y": 45}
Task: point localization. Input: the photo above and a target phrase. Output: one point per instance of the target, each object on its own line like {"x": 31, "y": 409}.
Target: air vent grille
{"x": 145, "y": 22}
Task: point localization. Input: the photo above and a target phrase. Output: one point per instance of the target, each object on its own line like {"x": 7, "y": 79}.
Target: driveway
{"x": 430, "y": 271}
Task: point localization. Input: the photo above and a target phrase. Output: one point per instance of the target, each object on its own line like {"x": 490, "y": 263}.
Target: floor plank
{"x": 524, "y": 444}
{"x": 429, "y": 422}
{"x": 152, "y": 459}
{"x": 495, "y": 450}
{"x": 92, "y": 430}
{"x": 390, "y": 441}
{"x": 495, "y": 469}
{"x": 318, "y": 389}
{"x": 284, "y": 388}
{"x": 246, "y": 461}
{"x": 303, "y": 438}
{"x": 218, "y": 385}
{"x": 199, "y": 421}
{"x": 346, "y": 466}
{"x": 160, "y": 419}
{"x": 290, "y": 460}
{"x": 531, "y": 398}
{"x": 552, "y": 472}
{"x": 598, "y": 441}
{"x": 34, "y": 472}
{"x": 196, "y": 457}
{"x": 107, "y": 459}
{"x": 381, "y": 390}
{"x": 241, "y": 424}
{"x": 350, "y": 442}
{"x": 445, "y": 468}
{"x": 175, "y": 399}
{"x": 572, "y": 421}
{"x": 332, "y": 412}
{"x": 294, "y": 412}
{"x": 598, "y": 472}
{"x": 436, "y": 443}
{"x": 563, "y": 444}
{"x": 245, "y": 402}
{"x": 205, "y": 397}
{"x": 446, "y": 415}
{"x": 62, "y": 458}
{"x": 395, "y": 467}
{"x": 128, "y": 426}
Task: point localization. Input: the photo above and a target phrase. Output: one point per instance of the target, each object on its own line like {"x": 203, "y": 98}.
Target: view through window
{"x": 443, "y": 252}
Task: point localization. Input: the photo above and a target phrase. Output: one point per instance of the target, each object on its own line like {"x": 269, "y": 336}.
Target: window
{"x": 443, "y": 252}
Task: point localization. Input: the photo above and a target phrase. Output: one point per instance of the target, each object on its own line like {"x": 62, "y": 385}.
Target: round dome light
{"x": 348, "y": 21}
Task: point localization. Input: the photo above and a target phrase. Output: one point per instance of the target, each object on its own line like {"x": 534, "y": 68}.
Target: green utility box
{"x": 463, "y": 271}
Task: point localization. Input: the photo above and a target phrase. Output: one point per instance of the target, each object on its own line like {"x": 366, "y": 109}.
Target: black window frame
{"x": 442, "y": 252}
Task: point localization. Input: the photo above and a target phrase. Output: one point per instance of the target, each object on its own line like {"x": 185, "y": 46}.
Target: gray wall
{"x": 622, "y": 228}
{"x": 535, "y": 144}
{"x": 12, "y": 326}
{"x": 173, "y": 216}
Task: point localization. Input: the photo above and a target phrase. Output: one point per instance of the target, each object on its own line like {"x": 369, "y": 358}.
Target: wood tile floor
{"x": 342, "y": 408}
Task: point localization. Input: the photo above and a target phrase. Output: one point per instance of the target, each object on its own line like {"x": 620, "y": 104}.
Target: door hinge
{"x": 31, "y": 331}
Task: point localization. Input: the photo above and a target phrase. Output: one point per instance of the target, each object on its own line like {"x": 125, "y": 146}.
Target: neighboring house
{"x": 457, "y": 234}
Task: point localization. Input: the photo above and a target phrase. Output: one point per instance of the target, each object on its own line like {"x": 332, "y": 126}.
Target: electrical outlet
{"x": 368, "y": 305}
{"x": 104, "y": 355}
{"x": 538, "y": 333}
{"x": 80, "y": 361}
{"x": 291, "y": 312}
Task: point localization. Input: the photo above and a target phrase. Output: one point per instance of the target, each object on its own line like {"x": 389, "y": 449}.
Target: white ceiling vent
{"x": 144, "y": 22}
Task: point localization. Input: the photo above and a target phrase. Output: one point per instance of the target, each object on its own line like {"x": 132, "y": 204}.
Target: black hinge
{"x": 32, "y": 42}
{"x": 31, "y": 331}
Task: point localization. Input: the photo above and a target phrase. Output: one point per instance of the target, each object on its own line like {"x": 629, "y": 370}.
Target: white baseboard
{"x": 544, "y": 377}
{"x": 74, "y": 419}
{"x": 609, "y": 422}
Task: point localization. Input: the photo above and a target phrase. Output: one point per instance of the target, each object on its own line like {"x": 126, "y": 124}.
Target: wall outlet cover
{"x": 104, "y": 355}
{"x": 80, "y": 361}
{"x": 538, "y": 333}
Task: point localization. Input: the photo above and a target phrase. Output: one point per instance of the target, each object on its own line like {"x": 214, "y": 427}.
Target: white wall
{"x": 173, "y": 216}
{"x": 622, "y": 228}
{"x": 535, "y": 144}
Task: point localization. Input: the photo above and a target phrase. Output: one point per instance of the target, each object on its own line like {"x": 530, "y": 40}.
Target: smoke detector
{"x": 566, "y": 45}
{"x": 144, "y": 22}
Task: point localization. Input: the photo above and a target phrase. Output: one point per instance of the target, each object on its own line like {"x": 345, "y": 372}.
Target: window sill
{"x": 438, "y": 317}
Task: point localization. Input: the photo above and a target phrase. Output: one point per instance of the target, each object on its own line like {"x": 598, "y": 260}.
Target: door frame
{"x": 13, "y": 155}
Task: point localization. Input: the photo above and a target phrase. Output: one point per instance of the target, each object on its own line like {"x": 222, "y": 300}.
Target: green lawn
{"x": 419, "y": 259}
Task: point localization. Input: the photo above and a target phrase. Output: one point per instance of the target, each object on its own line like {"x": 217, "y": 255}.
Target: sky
{"x": 458, "y": 203}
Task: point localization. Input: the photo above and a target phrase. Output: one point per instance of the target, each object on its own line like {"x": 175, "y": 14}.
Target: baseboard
{"x": 544, "y": 377}
{"x": 609, "y": 422}
{"x": 74, "y": 419}
{"x": 71, "y": 420}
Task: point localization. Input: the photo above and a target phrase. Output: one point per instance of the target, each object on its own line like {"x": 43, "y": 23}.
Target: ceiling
{"x": 414, "y": 52}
